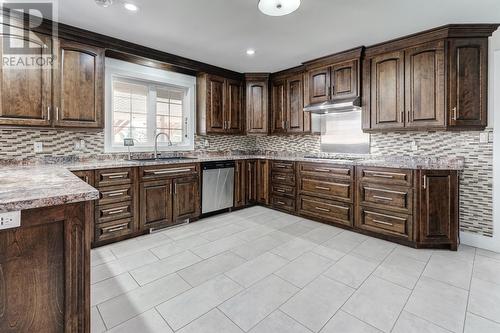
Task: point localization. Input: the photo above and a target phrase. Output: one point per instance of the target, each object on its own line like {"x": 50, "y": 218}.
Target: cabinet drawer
{"x": 283, "y": 190}
{"x": 326, "y": 210}
{"x": 166, "y": 171}
{"x": 384, "y": 222}
{"x": 112, "y": 212}
{"x": 283, "y": 166}
{"x": 326, "y": 170}
{"x": 110, "y": 177}
{"x": 327, "y": 189}
{"x": 110, "y": 230}
{"x": 283, "y": 203}
{"x": 394, "y": 198}
{"x": 283, "y": 179}
{"x": 112, "y": 194}
{"x": 400, "y": 177}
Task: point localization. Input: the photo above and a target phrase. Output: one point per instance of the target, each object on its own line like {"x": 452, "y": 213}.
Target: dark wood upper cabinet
{"x": 186, "y": 198}
{"x": 278, "y": 106}
{"x": 219, "y": 105}
{"x": 345, "y": 80}
{"x": 436, "y": 79}
{"x": 79, "y": 86}
{"x": 387, "y": 78}
{"x": 319, "y": 85}
{"x": 468, "y": 82}
{"x": 25, "y": 93}
{"x": 425, "y": 86}
{"x": 257, "y": 91}
{"x": 295, "y": 104}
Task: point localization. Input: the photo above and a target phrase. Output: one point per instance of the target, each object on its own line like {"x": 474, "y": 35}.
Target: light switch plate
{"x": 38, "y": 147}
{"x": 10, "y": 220}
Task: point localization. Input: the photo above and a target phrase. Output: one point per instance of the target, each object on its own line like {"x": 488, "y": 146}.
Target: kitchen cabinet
{"x": 251, "y": 182}
{"x": 79, "y": 86}
{"x": 186, "y": 197}
{"x": 435, "y": 80}
{"x": 283, "y": 187}
{"x": 240, "y": 184}
{"x": 219, "y": 105}
{"x": 287, "y": 103}
{"x": 88, "y": 177}
{"x": 263, "y": 182}
{"x": 156, "y": 204}
{"x": 257, "y": 100}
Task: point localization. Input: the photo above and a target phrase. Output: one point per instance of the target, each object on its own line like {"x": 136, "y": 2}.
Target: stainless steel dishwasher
{"x": 217, "y": 186}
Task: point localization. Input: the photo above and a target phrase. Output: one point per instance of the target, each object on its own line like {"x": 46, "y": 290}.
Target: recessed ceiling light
{"x": 130, "y": 6}
{"x": 278, "y": 7}
{"x": 250, "y": 52}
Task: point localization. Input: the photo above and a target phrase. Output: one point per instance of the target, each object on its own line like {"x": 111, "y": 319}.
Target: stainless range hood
{"x": 333, "y": 106}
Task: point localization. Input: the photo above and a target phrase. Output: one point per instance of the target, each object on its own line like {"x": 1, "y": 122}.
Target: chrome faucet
{"x": 156, "y": 143}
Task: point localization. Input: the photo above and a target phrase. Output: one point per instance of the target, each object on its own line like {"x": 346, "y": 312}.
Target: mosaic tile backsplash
{"x": 476, "y": 198}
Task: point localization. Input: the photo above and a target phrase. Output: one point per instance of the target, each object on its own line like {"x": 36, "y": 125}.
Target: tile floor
{"x": 257, "y": 270}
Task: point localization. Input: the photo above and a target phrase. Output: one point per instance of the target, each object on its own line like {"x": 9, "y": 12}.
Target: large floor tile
{"x": 191, "y": 242}
{"x": 328, "y": 252}
{"x": 422, "y": 255}
{"x": 140, "y": 244}
{"x": 409, "y": 323}
{"x": 487, "y": 269}
{"x": 439, "y": 303}
{"x": 96, "y": 323}
{"x": 222, "y": 232}
{"x": 293, "y": 248}
{"x": 216, "y": 247}
{"x": 484, "y": 299}
{"x": 489, "y": 254}
{"x": 167, "y": 250}
{"x": 304, "y": 269}
{"x": 314, "y": 305}
{"x": 207, "y": 269}
{"x": 345, "y": 242}
{"x": 401, "y": 270}
{"x": 137, "y": 301}
{"x": 298, "y": 228}
{"x": 256, "y": 269}
{"x": 378, "y": 302}
{"x": 321, "y": 234}
{"x": 101, "y": 255}
{"x": 343, "y": 322}
{"x": 257, "y": 302}
{"x": 121, "y": 265}
{"x": 169, "y": 265}
{"x": 376, "y": 249}
{"x": 464, "y": 252}
{"x": 453, "y": 271}
{"x": 476, "y": 324}
{"x": 112, "y": 287}
{"x": 212, "y": 322}
{"x": 255, "y": 248}
{"x": 352, "y": 270}
{"x": 278, "y": 322}
{"x": 254, "y": 233}
{"x": 148, "y": 322}
{"x": 183, "y": 309}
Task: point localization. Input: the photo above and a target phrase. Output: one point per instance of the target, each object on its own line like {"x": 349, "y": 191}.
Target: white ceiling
{"x": 218, "y": 32}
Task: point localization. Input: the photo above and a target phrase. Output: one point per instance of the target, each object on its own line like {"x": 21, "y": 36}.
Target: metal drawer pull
{"x": 382, "y": 222}
{"x": 322, "y": 188}
{"x": 280, "y": 165}
{"x": 280, "y": 202}
{"x": 167, "y": 171}
{"x": 280, "y": 178}
{"x": 116, "y": 228}
{"x": 321, "y": 170}
{"x": 382, "y": 176}
{"x": 388, "y": 216}
{"x": 280, "y": 190}
{"x": 322, "y": 209}
{"x": 115, "y": 175}
{"x": 114, "y": 211}
{"x": 114, "y": 193}
{"x": 386, "y": 191}
{"x": 382, "y": 198}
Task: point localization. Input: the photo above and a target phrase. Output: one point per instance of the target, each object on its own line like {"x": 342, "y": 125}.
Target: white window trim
{"x": 134, "y": 72}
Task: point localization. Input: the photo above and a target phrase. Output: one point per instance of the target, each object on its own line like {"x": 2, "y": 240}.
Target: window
{"x": 142, "y": 102}
{"x": 342, "y": 133}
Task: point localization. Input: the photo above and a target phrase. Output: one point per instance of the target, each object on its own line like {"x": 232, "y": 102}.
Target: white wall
{"x": 492, "y": 243}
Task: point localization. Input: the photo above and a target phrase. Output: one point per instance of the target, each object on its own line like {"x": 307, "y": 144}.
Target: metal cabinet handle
{"x": 280, "y": 202}
{"x": 116, "y": 228}
{"x": 322, "y": 209}
{"x": 425, "y": 182}
{"x": 382, "y": 176}
{"x": 280, "y": 190}
{"x": 114, "y": 193}
{"x": 114, "y": 211}
{"x": 382, "y": 198}
{"x": 454, "y": 117}
{"x": 280, "y": 178}
{"x": 321, "y": 170}
{"x": 323, "y": 188}
{"x": 48, "y": 112}
{"x": 382, "y": 222}
{"x": 115, "y": 175}
{"x": 387, "y": 216}
{"x": 167, "y": 171}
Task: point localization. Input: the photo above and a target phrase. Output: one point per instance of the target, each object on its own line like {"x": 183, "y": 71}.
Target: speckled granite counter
{"x": 49, "y": 184}
{"x": 26, "y": 187}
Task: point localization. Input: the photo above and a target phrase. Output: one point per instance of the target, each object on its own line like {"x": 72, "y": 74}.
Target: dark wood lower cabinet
{"x": 251, "y": 182}
{"x": 240, "y": 181}
{"x": 45, "y": 271}
{"x": 155, "y": 204}
{"x": 186, "y": 198}
{"x": 263, "y": 182}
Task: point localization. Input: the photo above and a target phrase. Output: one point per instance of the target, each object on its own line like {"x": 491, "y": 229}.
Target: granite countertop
{"x": 27, "y": 187}
{"x": 51, "y": 183}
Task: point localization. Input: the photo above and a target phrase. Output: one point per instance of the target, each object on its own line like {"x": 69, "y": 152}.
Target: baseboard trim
{"x": 483, "y": 242}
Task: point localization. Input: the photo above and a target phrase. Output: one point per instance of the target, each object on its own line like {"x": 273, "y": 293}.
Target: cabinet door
{"x": 79, "y": 86}
{"x": 468, "y": 82}
{"x": 387, "y": 91}
{"x": 263, "y": 182}
{"x": 251, "y": 182}
{"x": 424, "y": 86}
{"x": 25, "y": 92}
{"x": 240, "y": 184}
{"x": 319, "y": 85}
{"x": 256, "y": 107}
{"x": 295, "y": 104}
{"x": 234, "y": 107}
{"x": 215, "y": 95}
{"x": 344, "y": 80}
{"x": 88, "y": 177}
{"x": 438, "y": 207}
{"x": 186, "y": 198}
{"x": 156, "y": 204}
{"x": 278, "y": 106}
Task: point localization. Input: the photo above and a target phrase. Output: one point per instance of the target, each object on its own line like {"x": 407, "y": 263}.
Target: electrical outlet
{"x": 82, "y": 144}
{"x": 38, "y": 147}
{"x": 490, "y": 137}
{"x": 10, "y": 220}
{"x": 206, "y": 143}
{"x": 414, "y": 146}
{"x": 484, "y": 137}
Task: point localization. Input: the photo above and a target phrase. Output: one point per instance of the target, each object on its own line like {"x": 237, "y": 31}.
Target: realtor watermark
{"x": 23, "y": 45}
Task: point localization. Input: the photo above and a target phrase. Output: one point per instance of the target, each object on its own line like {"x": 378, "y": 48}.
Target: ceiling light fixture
{"x": 130, "y": 6}
{"x": 278, "y": 7}
{"x": 250, "y": 52}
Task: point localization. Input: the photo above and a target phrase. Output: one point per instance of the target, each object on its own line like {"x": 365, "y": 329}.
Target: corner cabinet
{"x": 435, "y": 80}
{"x": 219, "y": 105}
{"x": 257, "y": 100}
